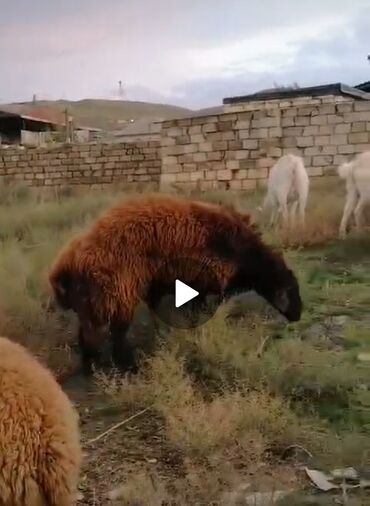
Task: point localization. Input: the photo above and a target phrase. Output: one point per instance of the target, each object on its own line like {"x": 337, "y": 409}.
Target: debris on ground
{"x": 266, "y": 498}
{"x": 339, "y": 478}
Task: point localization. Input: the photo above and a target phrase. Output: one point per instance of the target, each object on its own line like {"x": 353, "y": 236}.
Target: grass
{"x": 234, "y": 394}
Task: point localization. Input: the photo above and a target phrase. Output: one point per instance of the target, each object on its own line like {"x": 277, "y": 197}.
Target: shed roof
{"x": 38, "y": 114}
{"x": 310, "y": 91}
{"x": 364, "y": 86}
{"x": 34, "y": 113}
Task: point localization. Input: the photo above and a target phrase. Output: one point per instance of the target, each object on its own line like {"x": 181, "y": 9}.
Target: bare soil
{"x": 141, "y": 446}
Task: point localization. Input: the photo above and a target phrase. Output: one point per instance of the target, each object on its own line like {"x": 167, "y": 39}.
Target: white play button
{"x": 183, "y": 293}
{"x": 179, "y": 305}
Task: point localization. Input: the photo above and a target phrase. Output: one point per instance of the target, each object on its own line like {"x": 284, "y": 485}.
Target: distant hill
{"x": 106, "y": 114}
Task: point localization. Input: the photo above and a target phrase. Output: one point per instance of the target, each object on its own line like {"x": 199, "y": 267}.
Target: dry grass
{"x": 199, "y": 422}
{"x": 141, "y": 489}
{"x": 234, "y": 393}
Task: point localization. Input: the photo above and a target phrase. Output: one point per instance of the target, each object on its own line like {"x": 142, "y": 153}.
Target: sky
{"x": 191, "y": 53}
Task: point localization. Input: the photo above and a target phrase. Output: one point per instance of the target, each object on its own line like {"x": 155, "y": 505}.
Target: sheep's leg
{"x": 86, "y": 356}
{"x": 269, "y": 208}
{"x": 161, "y": 328}
{"x": 293, "y": 213}
{"x": 302, "y": 208}
{"x": 274, "y": 210}
{"x": 154, "y": 300}
{"x": 154, "y": 319}
{"x": 123, "y": 355}
{"x": 284, "y": 213}
{"x": 274, "y": 213}
{"x": 348, "y": 210}
{"x": 89, "y": 355}
{"x": 359, "y": 214}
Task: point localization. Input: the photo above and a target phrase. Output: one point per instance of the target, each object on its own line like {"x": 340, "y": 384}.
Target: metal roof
{"x": 363, "y": 86}
{"x": 43, "y": 115}
{"x": 311, "y": 91}
{"x": 36, "y": 113}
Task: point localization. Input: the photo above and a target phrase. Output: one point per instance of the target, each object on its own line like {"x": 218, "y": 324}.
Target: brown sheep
{"x": 104, "y": 273}
{"x": 40, "y": 452}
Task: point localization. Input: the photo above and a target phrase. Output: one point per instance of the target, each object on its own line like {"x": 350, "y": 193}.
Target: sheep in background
{"x": 288, "y": 186}
{"x": 356, "y": 173}
{"x": 40, "y": 452}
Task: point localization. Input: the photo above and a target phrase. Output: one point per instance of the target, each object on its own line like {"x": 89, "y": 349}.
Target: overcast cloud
{"x": 192, "y": 52}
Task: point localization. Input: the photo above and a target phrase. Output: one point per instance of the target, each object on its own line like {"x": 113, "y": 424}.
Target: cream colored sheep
{"x": 287, "y": 190}
{"x": 356, "y": 173}
{"x": 40, "y": 453}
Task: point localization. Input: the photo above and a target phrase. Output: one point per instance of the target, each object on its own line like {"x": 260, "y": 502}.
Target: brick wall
{"x": 236, "y": 149}
{"x": 95, "y": 165}
{"x": 233, "y": 150}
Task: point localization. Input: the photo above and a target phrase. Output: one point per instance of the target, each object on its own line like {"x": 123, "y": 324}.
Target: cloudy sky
{"x": 187, "y": 52}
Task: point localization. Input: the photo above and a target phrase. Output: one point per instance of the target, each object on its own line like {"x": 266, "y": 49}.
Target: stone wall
{"x": 95, "y": 165}
{"x": 232, "y": 150}
{"x": 236, "y": 149}
{"x": 285, "y": 103}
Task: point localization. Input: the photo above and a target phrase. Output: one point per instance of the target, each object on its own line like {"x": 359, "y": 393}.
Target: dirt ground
{"x": 135, "y": 447}
{"x": 140, "y": 446}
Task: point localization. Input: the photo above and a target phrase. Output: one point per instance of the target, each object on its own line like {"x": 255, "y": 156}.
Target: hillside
{"x": 106, "y": 114}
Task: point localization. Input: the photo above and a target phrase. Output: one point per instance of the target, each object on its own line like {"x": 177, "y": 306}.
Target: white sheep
{"x": 357, "y": 176}
{"x": 288, "y": 186}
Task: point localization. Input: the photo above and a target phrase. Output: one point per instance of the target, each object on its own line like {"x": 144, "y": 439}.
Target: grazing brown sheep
{"x": 104, "y": 273}
{"x": 40, "y": 452}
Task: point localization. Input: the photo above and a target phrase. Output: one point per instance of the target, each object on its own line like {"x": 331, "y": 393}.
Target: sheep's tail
{"x": 345, "y": 170}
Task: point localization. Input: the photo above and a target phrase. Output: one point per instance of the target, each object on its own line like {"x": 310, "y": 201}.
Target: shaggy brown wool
{"x": 40, "y": 453}
{"x": 104, "y": 273}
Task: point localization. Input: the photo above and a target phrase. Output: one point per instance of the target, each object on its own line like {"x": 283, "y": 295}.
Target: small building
{"x": 39, "y": 127}
{"x": 136, "y": 131}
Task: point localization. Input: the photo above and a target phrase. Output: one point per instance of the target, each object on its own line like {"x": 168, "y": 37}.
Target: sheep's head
{"x": 62, "y": 283}
{"x": 282, "y": 292}
{"x": 71, "y": 290}
{"x": 266, "y": 272}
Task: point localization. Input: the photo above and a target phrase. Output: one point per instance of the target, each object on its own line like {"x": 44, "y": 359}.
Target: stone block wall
{"x": 236, "y": 149}
{"x": 93, "y": 165}
{"x": 232, "y": 150}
